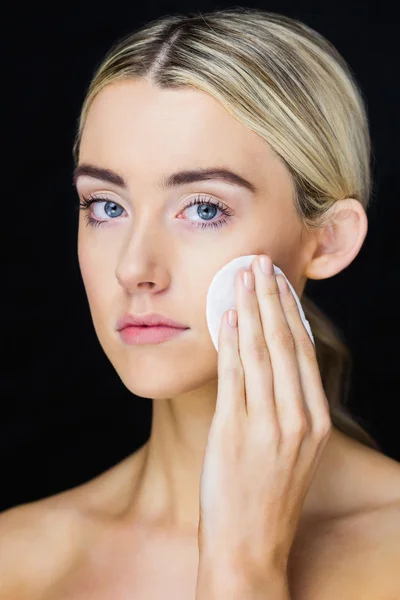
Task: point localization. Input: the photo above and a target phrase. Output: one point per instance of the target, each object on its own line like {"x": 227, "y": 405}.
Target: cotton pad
{"x": 221, "y": 295}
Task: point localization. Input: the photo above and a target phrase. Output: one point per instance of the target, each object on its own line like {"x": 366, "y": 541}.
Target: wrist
{"x": 215, "y": 581}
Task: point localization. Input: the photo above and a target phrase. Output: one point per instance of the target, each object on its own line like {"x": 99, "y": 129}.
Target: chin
{"x": 161, "y": 373}
{"x": 162, "y": 386}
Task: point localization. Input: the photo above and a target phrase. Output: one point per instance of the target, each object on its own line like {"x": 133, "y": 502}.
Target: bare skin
{"x": 132, "y": 532}
{"x": 83, "y": 543}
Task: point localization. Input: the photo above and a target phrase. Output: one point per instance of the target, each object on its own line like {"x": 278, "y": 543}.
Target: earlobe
{"x": 337, "y": 243}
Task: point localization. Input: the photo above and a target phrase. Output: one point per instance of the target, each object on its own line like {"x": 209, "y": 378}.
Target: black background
{"x": 65, "y": 416}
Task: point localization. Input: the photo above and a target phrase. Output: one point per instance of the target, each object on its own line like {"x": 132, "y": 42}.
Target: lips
{"x": 134, "y": 335}
{"x": 149, "y": 320}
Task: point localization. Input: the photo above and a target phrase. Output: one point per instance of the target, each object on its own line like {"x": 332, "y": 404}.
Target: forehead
{"x": 139, "y": 123}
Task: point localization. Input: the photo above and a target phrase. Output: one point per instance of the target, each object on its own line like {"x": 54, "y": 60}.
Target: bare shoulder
{"x": 372, "y": 541}
{"x": 38, "y": 544}
{"x": 353, "y": 552}
{"x": 41, "y": 542}
{"x": 367, "y": 541}
{"x": 352, "y": 557}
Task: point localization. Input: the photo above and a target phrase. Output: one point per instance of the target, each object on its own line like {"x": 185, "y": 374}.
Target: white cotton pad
{"x": 221, "y": 295}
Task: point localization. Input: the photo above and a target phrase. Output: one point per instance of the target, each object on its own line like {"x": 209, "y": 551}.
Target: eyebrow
{"x": 179, "y": 178}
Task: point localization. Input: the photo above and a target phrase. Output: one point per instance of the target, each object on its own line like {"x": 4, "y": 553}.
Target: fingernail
{"x": 266, "y": 265}
{"x": 248, "y": 279}
{"x": 232, "y": 318}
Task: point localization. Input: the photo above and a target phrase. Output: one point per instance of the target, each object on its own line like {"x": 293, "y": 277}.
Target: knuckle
{"x": 257, "y": 348}
{"x": 271, "y": 290}
{"x": 305, "y": 345}
{"x": 291, "y": 304}
{"x": 324, "y": 428}
{"x": 297, "y": 428}
{"x": 283, "y": 338}
{"x": 233, "y": 372}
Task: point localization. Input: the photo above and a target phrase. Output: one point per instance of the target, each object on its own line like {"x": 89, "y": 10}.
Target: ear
{"x": 337, "y": 243}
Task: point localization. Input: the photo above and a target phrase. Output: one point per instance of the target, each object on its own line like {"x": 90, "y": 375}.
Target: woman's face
{"x": 155, "y": 253}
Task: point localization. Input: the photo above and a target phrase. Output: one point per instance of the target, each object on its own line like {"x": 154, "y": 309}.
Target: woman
{"x": 271, "y": 103}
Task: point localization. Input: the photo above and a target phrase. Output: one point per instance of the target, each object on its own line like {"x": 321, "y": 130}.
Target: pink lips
{"x": 151, "y": 319}
{"x": 133, "y": 335}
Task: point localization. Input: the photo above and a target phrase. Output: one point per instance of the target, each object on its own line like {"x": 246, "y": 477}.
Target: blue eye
{"x": 203, "y": 201}
{"x": 86, "y": 203}
{"x": 111, "y": 207}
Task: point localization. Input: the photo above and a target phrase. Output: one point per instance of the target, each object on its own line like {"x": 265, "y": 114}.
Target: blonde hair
{"x": 290, "y": 85}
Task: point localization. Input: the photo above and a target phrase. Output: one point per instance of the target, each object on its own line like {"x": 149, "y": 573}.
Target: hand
{"x": 267, "y": 435}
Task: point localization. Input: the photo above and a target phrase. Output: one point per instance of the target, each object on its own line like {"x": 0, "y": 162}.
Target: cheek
{"x": 97, "y": 273}
{"x": 291, "y": 261}
{"x": 89, "y": 272}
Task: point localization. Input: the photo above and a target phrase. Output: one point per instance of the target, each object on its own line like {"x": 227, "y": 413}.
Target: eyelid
{"x": 95, "y": 198}
{"x": 102, "y": 196}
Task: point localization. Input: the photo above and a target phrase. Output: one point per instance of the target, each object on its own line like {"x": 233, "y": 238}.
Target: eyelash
{"x": 85, "y": 204}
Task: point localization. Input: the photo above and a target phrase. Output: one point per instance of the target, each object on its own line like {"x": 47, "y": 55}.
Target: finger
{"x": 314, "y": 395}
{"x": 288, "y": 391}
{"x": 230, "y": 395}
{"x": 254, "y": 354}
